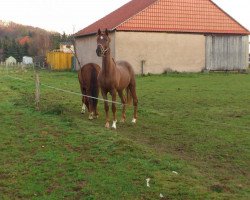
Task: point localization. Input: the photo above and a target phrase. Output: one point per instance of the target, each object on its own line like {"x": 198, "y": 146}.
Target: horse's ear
{"x": 106, "y": 32}
{"x": 99, "y": 32}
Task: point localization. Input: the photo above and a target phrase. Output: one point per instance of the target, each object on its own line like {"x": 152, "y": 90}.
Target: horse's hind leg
{"x": 91, "y": 106}
{"x": 96, "y": 113}
{"x": 120, "y": 93}
{"x": 84, "y": 104}
{"x": 83, "y": 101}
{"x": 135, "y": 101}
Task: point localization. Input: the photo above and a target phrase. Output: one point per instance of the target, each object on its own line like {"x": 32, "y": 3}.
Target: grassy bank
{"x": 192, "y": 140}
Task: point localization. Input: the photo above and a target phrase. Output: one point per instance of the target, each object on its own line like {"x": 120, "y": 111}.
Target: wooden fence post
{"x": 37, "y": 94}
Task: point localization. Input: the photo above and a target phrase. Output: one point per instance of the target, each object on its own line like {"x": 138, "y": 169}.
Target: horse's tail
{"x": 80, "y": 80}
{"x": 94, "y": 86}
{"x": 129, "y": 96}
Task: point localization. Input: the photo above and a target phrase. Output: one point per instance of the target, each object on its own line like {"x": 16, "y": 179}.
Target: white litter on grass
{"x": 148, "y": 179}
{"x": 161, "y": 195}
{"x": 174, "y": 172}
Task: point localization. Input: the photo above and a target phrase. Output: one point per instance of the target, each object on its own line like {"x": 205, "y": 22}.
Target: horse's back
{"x": 125, "y": 67}
{"x": 124, "y": 75}
{"x": 88, "y": 68}
{"x": 88, "y": 74}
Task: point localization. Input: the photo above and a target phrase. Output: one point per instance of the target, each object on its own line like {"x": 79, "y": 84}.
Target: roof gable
{"x": 194, "y": 16}
{"x": 114, "y": 19}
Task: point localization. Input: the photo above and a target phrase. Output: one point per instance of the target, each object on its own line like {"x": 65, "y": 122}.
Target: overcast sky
{"x": 69, "y": 15}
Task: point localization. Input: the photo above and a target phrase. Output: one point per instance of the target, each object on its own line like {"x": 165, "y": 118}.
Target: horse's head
{"x": 103, "y": 41}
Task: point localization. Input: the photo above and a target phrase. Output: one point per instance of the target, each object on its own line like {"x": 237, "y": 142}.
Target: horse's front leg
{"x": 106, "y": 107}
{"x": 113, "y": 93}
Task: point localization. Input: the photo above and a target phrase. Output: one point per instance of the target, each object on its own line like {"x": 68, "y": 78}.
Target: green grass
{"x": 195, "y": 124}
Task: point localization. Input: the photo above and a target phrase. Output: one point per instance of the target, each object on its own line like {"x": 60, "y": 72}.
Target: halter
{"x": 103, "y": 51}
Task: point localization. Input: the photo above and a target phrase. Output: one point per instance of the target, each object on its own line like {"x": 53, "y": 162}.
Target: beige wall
{"x": 86, "y": 50}
{"x": 161, "y": 51}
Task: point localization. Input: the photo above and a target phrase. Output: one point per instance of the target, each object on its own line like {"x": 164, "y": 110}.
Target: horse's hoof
{"x": 96, "y": 116}
{"x": 133, "y": 120}
{"x": 107, "y": 125}
{"x": 114, "y": 124}
{"x": 122, "y": 120}
{"x": 83, "y": 112}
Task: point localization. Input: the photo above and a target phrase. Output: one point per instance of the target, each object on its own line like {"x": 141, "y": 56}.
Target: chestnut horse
{"x": 87, "y": 77}
{"x": 114, "y": 78}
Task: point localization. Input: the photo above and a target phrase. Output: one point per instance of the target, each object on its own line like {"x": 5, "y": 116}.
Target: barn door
{"x": 226, "y": 52}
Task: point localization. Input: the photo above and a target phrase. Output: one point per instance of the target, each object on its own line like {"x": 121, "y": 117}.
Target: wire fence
{"x": 36, "y": 70}
{"x": 6, "y": 74}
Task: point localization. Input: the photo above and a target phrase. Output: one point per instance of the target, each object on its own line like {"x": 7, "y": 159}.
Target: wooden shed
{"x": 59, "y": 60}
{"x": 161, "y": 35}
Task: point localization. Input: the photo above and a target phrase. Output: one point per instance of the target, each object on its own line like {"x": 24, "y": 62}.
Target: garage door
{"x": 226, "y": 52}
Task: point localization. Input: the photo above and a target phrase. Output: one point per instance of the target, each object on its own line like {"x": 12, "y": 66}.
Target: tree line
{"x": 17, "y": 40}
{"x": 10, "y": 47}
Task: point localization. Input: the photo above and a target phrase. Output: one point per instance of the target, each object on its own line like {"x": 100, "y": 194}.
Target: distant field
{"x": 192, "y": 140}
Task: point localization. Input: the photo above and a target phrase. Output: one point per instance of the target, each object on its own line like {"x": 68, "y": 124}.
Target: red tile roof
{"x": 191, "y": 16}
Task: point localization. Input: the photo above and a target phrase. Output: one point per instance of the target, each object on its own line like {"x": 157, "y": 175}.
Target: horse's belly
{"x": 124, "y": 80}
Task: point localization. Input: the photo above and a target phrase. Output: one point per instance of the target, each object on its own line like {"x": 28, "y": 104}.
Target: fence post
{"x": 37, "y": 94}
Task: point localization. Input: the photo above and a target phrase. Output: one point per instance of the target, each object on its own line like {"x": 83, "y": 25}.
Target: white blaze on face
{"x": 101, "y": 37}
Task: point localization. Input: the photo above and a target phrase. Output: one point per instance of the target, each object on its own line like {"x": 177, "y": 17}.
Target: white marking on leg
{"x": 114, "y": 124}
{"x": 91, "y": 116}
{"x": 134, "y": 120}
{"x": 83, "y": 108}
{"x": 148, "y": 179}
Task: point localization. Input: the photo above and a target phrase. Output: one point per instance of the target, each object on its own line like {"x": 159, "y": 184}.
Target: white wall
{"x": 161, "y": 51}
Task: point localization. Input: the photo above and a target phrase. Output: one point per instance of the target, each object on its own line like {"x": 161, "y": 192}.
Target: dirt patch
{"x": 219, "y": 188}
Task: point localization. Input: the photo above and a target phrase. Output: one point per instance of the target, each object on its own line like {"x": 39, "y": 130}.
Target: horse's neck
{"x": 108, "y": 64}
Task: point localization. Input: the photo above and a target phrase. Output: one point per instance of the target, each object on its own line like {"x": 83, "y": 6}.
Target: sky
{"x": 70, "y": 16}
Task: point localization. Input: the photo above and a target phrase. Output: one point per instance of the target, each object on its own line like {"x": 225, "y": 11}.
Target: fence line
{"x": 68, "y": 91}
{"x": 79, "y": 94}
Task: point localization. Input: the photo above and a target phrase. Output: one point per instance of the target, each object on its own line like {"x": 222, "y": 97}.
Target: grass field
{"x": 192, "y": 140}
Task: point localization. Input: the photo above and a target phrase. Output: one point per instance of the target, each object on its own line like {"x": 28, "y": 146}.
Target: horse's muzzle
{"x": 99, "y": 51}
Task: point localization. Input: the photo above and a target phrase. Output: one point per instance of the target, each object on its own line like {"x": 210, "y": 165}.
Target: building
{"x": 27, "y": 60}
{"x": 10, "y": 61}
{"x": 66, "y": 47}
{"x": 178, "y": 35}
{"x": 58, "y": 60}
